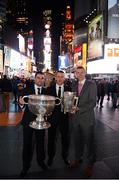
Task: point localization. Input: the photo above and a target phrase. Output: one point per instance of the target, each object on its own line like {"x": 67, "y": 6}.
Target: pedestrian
{"x": 84, "y": 121}
{"x": 6, "y": 88}
{"x": 101, "y": 91}
{"x": 59, "y": 121}
{"x": 28, "y": 132}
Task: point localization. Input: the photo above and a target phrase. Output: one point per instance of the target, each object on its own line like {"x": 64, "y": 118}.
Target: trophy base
{"x": 39, "y": 125}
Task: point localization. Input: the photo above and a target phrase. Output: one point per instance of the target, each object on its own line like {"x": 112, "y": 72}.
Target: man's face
{"x": 60, "y": 78}
{"x": 80, "y": 74}
{"x": 40, "y": 79}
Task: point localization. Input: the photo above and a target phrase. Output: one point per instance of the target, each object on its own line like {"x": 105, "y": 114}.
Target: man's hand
{"x": 21, "y": 100}
{"x": 74, "y": 109}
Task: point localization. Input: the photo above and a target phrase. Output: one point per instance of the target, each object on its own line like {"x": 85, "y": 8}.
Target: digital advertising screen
{"x": 111, "y": 51}
{"x": 113, "y": 19}
{"x": 1, "y": 60}
{"x": 80, "y": 37}
{"x": 95, "y": 38}
{"x": 63, "y": 62}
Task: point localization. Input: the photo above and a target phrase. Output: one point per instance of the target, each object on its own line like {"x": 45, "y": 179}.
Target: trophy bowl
{"x": 69, "y": 101}
{"x": 41, "y": 106}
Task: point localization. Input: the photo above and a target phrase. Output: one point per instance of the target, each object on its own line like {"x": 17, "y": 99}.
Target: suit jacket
{"x": 55, "y": 117}
{"x": 86, "y": 104}
{"x": 28, "y": 116}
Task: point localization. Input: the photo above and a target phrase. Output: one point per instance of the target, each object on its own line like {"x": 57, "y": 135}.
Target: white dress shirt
{"x": 80, "y": 86}
{"x": 36, "y": 89}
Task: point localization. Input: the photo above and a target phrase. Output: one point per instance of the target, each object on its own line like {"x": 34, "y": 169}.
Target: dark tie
{"x": 39, "y": 90}
{"x": 59, "y": 92}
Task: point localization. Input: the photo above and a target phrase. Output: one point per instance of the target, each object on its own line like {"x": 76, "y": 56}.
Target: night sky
{"x": 58, "y": 7}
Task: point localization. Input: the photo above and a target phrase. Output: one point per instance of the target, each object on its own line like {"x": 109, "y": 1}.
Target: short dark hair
{"x": 60, "y": 71}
{"x": 80, "y": 67}
{"x": 39, "y": 72}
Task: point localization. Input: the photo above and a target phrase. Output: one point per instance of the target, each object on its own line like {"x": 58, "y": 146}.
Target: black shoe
{"x": 67, "y": 162}
{"x": 43, "y": 166}
{"x": 23, "y": 173}
{"x": 50, "y": 162}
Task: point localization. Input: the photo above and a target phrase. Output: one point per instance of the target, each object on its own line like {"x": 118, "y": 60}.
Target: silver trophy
{"x": 42, "y": 106}
{"x": 69, "y": 101}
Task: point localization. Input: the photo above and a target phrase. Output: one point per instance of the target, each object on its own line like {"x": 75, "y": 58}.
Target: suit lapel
{"x": 33, "y": 90}
{"x": 54, "y": 93}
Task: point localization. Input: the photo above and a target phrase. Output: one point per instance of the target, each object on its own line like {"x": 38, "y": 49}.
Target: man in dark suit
{"x": 28, "y": 132}
{"x": 59, "y": 121}
{"x": 84, "y": 120}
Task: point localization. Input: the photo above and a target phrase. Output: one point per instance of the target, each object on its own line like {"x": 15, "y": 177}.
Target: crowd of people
{"x": 109, "y": 88}
{"x": 82, "y": 116}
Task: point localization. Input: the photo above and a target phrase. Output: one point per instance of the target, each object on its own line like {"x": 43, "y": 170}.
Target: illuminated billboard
{"x": 80, "y": 37}
{"x": 103, "y": 67}
{"x": 21, "y": 43}
{"x": 113, "y": 19}
{"x": 7, "y": 52}
{"x": 95, "y": 38}
{"x": 1, "y": 60}
{"x": 111, "y": 51}
{"x": 63, "y": 62}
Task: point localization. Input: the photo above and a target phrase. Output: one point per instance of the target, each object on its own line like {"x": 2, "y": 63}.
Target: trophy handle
{"x": 59, "y": 101}
{"x": 75, "y": 101}
{"x": 25, "y": 97}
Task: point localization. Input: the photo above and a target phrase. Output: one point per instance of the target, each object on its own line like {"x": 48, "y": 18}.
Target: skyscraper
{"x": 18, "y": 15}
{"x": 2, "y": 19}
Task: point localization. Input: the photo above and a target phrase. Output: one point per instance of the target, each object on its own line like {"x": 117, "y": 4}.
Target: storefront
{"x": 108, "y": 65}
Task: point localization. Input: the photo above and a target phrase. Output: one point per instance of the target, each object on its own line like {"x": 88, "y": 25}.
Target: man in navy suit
{"x": 59, "y": 121}
{"x": 28, "y": 132}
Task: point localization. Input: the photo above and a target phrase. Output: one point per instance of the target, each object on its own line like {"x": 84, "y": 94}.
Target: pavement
{"x": 105, "y": 167}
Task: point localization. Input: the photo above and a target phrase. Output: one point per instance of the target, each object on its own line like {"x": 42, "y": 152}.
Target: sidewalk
{"x": 107, "y": 151}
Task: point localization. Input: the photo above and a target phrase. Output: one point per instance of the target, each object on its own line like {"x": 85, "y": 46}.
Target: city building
{"x": 18, "y": 15}
{"x": 65, "y": 59}
{"x": 96, "y": 26}
{"x": 47, "y": 40}
{"x": 2, "y": 20}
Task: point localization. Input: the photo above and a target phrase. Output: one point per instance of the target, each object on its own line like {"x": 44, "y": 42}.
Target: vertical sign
{"x": 113, "y": 19}
{"x": 1, "y": 60}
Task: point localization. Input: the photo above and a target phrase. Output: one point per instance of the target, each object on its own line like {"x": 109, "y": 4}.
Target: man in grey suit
{"x": 84, "y": 120}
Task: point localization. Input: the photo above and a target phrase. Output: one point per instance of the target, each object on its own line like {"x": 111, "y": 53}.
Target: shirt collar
{"x": 82, "y": 82}
{"x": 36, "y": 86}
{"x": 57, "y": 86}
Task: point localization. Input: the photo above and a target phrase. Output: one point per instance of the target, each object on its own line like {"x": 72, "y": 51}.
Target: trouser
{"x": 29, "y": 135}
{"x": 84, "y": 139}
{"x": 63, "y": 127}
{"x": 114, "y": 100}
{"x": 100, "y": 98}
{"x": 6, "y": 97}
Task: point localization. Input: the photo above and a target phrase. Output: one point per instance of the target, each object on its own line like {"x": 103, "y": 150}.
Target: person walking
{"x": 6, "y": 88}
{"x": 101, "y": 91}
